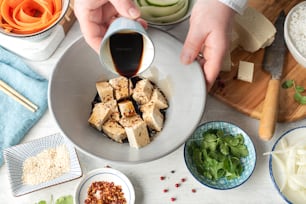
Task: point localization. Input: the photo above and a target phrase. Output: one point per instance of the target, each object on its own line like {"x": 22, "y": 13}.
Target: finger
{"x": 92, "y": 31}
{"x": 214, "y": 55}
{"x": 89, "y": 4}
{"x": 108, "y": 13}
{"x": 126, "y": 8}
{"x": 193, "y": 44}
{"x": 94, "y": 37}
{"x": 143, "y": 22}
{"x": 211, "y": 73}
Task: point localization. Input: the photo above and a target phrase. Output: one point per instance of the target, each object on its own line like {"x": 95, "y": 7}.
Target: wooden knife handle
{"x": 270, "y": 111}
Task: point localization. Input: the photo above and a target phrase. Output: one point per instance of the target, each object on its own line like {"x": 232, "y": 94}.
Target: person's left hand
{"x": 209, "y": 34}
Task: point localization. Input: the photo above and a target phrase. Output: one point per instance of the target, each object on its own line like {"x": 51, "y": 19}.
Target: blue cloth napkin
{"x": 15, "y": 119}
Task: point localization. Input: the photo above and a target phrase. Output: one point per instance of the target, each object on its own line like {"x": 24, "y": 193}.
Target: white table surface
{"x": 146, "y": 177}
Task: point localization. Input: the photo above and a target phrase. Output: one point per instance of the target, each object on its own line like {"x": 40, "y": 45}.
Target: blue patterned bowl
{"x": 248, "y": 162}
{"x": 280, "y": 177}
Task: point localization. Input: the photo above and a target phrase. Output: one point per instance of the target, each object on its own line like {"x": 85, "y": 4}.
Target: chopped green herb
{"x": 64, "y": 200}
{"x": 298, "y": 97}
{"x": 61, "y": 200}
{"x": 287, "y": 84}
{"x": 217, "y": 154}
{"x": 299, "y": 89}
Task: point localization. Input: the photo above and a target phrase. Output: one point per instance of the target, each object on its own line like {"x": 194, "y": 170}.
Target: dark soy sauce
{"x": 126, "y": 51}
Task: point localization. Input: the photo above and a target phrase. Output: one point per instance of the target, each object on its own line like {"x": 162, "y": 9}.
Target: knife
{"x": 273, "y": 63}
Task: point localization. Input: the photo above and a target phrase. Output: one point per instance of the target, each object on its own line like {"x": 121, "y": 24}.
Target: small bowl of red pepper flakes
{"x": 105, "y": 185}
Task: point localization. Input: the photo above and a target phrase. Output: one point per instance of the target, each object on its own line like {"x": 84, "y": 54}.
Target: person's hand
{"x": 95, "y": 17}
{"x": 209, "y": 34}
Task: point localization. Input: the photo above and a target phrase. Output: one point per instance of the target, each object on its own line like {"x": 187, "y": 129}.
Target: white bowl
{"x": 43, "y": 33}
{"x": 72, "y": 89}
{"x": 278, "y": 173}
{"x": 107, "y": 175}
{"x": 290, "y": 39}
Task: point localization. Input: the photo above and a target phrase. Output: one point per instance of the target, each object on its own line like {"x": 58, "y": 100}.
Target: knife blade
{"x": 273, "y": 63}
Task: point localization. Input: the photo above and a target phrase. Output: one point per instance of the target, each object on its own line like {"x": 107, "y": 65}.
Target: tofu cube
{"x": 234, "y": 43}
{"x": 112, "y": 104}
{"x": 114, "y": 130}
{"x": 105, "y": 91}
{"x": 122, "y": 87}
{"x": 159, "y": 99}
{"x": 99, "y": 115}
{"x": 138, "y": 135}
{"x": 153, "y": 117}
{"x": 130, "y": 121}
{"x": 126, "y": 108}
{"x": 245, "y": 71}
{"x": 227, "y": 62}
{"x": 143, "y": 91}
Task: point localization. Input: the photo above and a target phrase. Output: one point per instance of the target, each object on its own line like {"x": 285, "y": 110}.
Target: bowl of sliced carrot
{"x": 31, "y": 19}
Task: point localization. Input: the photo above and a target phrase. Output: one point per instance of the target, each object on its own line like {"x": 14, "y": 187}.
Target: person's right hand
{"x": 95, "y": 17}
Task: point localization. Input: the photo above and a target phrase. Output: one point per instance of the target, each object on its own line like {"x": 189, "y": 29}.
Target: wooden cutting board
{"x": 248, "y": 98}
{"x": 69, "y": 18}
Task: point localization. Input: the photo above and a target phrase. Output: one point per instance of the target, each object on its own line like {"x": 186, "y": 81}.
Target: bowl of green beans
{"x": 220, "y": 155}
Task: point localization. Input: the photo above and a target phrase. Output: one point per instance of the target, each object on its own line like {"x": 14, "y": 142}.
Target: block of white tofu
{"x": 105, "y": 91}
{"x": 254, "y": 29}
{"x": 153, "y": 117}
{"x": 130, "y": 121}
{"x": 126, "y": 108}
{"x": 114, "y": 130}
{"x": 122, "y": 87}
{"x": 146, "y": 106}
{"x": 112, "y": 104}
{"x": 159, "y": 99}
{"x": 227, "y": 62}
{"x": 99, "y": 115}
{"x": 138, "y": 135}
{"x": 245, "y": 71}
{"x": 234, "y": 43}
{"x": 143, "y": 91}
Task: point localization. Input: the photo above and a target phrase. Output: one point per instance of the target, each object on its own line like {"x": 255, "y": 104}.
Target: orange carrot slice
{"x": 28, "y": 16}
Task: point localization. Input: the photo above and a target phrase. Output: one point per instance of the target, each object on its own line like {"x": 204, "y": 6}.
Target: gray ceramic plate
{"x": 16, "y": 155}
{"x": 72, "y": 89}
